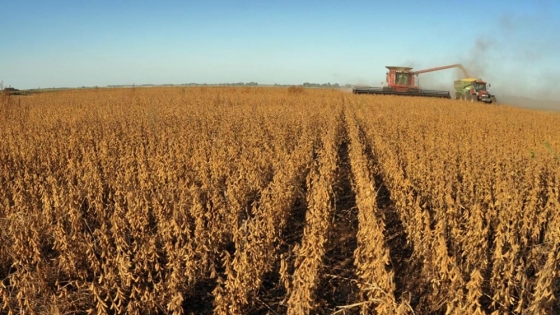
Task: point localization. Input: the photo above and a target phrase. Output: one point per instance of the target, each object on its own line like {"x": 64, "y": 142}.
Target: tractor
{"x": 474, "y": 90}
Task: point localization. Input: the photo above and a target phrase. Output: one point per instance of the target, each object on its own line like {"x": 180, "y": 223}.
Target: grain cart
{"x": 401, "y": 81}
{"x": 473, "y": 89}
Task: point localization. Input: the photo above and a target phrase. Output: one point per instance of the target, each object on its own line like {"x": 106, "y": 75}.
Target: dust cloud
{"x": 477, "y": 60}
{"x": 518, "y": 56}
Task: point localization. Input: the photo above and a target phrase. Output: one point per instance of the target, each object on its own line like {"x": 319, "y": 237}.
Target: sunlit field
{"x": 276, "y": 201}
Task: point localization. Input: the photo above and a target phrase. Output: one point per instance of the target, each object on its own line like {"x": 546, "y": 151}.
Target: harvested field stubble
{"x": 276, "y": 201}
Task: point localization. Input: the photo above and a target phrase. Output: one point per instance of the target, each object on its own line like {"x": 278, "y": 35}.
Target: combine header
{"x": 400, "y": 81}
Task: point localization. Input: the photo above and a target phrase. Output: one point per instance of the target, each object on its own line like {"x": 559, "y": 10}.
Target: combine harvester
{"x": 400, "y": 81}
{"x": 473, "y": 90}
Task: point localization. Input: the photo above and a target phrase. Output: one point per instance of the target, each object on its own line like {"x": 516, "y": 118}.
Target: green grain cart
{"x": 473, "y": 89}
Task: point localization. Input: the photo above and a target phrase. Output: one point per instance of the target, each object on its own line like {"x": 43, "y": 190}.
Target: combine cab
{"x": 401, "y": 81}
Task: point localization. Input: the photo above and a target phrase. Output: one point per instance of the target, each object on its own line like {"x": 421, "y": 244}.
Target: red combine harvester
{"x": 400, "y": 81}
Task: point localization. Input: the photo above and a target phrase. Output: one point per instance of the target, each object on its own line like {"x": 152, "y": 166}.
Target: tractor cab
{"x": 479, "y": 89}
{"x": 479, "y": 85}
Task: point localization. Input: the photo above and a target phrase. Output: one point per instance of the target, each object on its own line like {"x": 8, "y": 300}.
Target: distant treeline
{"x": 13, "y": 91}
{"x": 326, "y": 85}
{"x": 306, "y": 85}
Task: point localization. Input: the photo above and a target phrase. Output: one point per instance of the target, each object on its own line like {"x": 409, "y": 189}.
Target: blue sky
{"x": 513, "y": 45}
